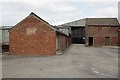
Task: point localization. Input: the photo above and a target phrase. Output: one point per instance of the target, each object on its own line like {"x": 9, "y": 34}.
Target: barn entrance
{"x": 78, "y": 35}
{"x": 90, "y": 41}
{"x": 78, "y": 40}
{"x": 107, "y": 41}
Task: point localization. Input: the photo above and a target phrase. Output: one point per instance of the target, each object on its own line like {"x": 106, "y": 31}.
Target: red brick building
{"x": 95, "y": 31}
{"x": 34, "y": 36}
{"x": 101, "y": 32}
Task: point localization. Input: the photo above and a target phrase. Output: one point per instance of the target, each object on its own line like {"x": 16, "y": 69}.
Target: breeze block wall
{"x": 32, "y": 37}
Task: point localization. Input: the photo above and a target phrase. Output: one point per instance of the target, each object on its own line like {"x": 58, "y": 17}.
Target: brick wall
{"x": 100, "y": 32}
{"x": 69, "y": 41}
{"x": 32, "y": 37}
{"x": 119, "y": 38}
{"x": 62, "y": 42}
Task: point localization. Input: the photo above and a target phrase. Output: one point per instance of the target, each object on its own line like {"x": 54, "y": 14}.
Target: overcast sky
{"x": 56, "y": 11}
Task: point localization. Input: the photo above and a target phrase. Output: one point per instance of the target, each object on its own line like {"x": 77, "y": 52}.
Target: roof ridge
{"x": 33, "y": 14}
{"x": 73, "y": 21}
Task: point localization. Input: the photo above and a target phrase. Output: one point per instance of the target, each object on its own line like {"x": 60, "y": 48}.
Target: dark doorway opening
{"x": 5, "y": 48}
{"x": 78, "y": 40}
{"x": 107, "y": 41}
{"x": 90, "y": 41}
{"x": 78, "y": 35}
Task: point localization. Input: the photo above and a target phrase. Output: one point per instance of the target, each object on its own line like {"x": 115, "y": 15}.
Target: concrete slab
{"x": 77, "y": 61}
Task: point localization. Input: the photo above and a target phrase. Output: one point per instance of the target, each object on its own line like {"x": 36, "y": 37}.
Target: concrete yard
{"x": 77, "y": 61}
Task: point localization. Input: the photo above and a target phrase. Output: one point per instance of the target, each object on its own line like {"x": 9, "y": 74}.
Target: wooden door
{"x": 57, "y": 42}
{"x": 107, "y": 41}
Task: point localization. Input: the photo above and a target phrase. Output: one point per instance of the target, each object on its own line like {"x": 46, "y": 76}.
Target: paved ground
{"x": 77, "y": 62}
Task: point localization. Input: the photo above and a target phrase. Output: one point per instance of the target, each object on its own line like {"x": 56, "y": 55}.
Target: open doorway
{"x": 90, "y": 41}
{"x": 5, "y": 48}
{"x": 78, "y": 35}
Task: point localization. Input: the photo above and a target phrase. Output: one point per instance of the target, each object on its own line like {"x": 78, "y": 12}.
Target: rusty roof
{"x": 5, "y": 27}
{"x": 102, "y": 21}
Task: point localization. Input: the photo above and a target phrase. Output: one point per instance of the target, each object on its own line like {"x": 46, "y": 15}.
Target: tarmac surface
{"x": 77, "y": 61}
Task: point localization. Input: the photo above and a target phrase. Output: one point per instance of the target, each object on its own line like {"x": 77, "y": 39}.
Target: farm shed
{"x": 77, "y": 30}
{"x": 102, "y": 31}
{"x": 34, "y": 36}
{"x": 95, "y": 31}
{"x": 66, "y": 30}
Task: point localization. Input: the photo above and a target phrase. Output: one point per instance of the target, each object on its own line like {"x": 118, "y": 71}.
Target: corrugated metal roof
{"x": 77, "y": 23}
{"x": 5, "y": 27}
{"x": 102, "y": 21}
{"x": 64, "y": 30}
{"x": 4, "y": 34}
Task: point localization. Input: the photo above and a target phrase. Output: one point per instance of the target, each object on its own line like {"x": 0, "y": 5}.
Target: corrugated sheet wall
{"x": 4, "y": 36}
